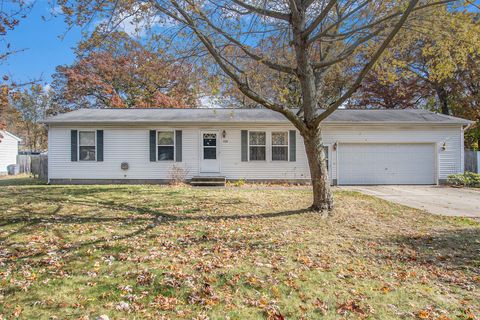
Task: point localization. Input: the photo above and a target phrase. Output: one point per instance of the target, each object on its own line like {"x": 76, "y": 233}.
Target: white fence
{"x": 37, "y": 165}
{"x": 472, "y": 161}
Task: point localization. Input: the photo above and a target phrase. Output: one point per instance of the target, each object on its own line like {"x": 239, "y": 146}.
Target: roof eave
{"x": 466, "y": 122}
{"x": 13, "y": 136}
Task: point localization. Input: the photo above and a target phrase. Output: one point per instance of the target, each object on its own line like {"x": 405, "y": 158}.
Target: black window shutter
{"x": 178, "y": 145}
{"x": 244, "y": 143}
{"x": 99, "y": 145}
{"x": 153, "y": 145}
{"x": 74, "y": 145}
{"x": 293, "y": 145}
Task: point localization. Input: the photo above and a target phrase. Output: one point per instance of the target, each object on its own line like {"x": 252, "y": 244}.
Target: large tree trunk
{"x": 322, "y": 194}
{"x": 442, "y": 99}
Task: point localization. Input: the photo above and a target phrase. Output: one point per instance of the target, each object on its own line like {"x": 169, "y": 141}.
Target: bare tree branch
{"x": 251, "y": 54}
{"x": 338, "y": 22}
{"x": 323, "y": 14}
{"x": 262, "y": 11}
{"x": 324, "y": 33}
{"x": 348, "y": 51}
{"x": 295, "y": 14}
{"x": 242, "y": 85}
{"x": 369, "y": 65}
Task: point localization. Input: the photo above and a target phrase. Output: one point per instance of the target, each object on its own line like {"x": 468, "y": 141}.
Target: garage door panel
{"x": 386, "y": 164}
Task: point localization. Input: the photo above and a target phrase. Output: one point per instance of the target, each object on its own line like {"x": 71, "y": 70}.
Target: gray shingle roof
{"x": 140, "y": 116}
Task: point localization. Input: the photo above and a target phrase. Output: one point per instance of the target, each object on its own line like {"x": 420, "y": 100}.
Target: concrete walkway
{"x": 434, "y": 199}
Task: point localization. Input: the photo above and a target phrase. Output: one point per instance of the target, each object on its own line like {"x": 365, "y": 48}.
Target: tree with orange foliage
{"x": 123, "y": 73}
{"x": 10, "y": 15}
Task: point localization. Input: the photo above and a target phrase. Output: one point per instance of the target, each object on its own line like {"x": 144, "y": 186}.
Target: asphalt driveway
{"x": 434, "y": 199}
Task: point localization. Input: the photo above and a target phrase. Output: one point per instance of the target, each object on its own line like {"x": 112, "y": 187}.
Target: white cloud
{"x": 208, "y": 102}
{"x": 135, "y": 23}
{"x": 137, "y": 26}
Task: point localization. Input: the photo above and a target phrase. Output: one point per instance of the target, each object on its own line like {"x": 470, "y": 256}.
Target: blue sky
{"x": 47, "y": 44}
{"x": 44, "y": 48}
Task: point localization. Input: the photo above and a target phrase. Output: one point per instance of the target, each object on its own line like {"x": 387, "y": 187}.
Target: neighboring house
{"x": 8, "y": 151}
{"x": 148, "y": 145}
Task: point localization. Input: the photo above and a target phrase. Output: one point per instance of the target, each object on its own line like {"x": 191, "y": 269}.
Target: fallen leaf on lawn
{"x": 276, "y": 292}
{"x": 122, "y": 306}
{"x": 385, "y": 289}
{"x": 321, "y": 306}
{"x": 423, "y": 314}
{"x": 17, "y": 311}
{"x": 350, "y": 306}
{"x": 164, "y": 303}
{"x": 145, "y": 278}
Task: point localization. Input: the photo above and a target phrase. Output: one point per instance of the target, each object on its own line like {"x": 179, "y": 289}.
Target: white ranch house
{"x": 148, "y": 145}
{"x": 8, "y": 151}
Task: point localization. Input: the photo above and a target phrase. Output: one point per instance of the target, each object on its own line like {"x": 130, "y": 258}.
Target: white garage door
{"x": 386, "y": 163}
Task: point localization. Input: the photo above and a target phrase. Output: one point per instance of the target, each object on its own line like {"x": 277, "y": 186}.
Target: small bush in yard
{"x": 467, "y": 179}
{"x": 456, "y": 180}
{"x": 239, "y": 183}
{"x": 178, "y": 175}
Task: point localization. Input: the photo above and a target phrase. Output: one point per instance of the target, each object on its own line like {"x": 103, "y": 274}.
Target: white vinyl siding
{"x": 8, "y": 152}
{"x": 131, "y": 144}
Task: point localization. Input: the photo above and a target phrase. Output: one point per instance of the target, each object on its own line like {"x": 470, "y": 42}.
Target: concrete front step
{"x": 213, "y": 181}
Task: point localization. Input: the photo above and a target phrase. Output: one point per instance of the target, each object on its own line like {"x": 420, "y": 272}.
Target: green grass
{"x": 19, "y": 180}
{"x": 239, "y": 253}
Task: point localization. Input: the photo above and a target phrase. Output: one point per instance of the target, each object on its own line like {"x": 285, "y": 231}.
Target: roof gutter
{"x": 469, "y": 123}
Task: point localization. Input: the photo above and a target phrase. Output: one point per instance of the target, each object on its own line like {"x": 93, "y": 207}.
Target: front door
{"x": 209, "y": 160}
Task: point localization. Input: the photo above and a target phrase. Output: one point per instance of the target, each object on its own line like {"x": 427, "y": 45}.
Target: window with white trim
{"x": 165, "y": 145}
{"x": 87, "y": 146}
{"x": 280, "y": 146}
{"x": 257, "y": 145}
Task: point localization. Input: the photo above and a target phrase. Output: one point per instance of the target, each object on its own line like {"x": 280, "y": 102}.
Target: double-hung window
{"x": 165, "y": 145}
{"x": 280, "y": 146}
{"x": 257, "y": 145}
{"x": 87, "y": 146}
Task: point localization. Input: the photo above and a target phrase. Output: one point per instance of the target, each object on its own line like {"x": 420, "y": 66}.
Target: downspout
{"x": 466, "y": 127}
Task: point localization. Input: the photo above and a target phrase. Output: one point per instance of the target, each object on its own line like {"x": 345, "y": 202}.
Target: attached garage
{"x": 386, "y": 163}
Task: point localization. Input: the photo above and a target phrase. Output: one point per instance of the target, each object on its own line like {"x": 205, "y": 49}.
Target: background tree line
{"x": 113, "y": 72}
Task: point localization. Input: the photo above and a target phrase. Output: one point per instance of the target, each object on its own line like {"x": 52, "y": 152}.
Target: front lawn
{"x": 164, "y": 252}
